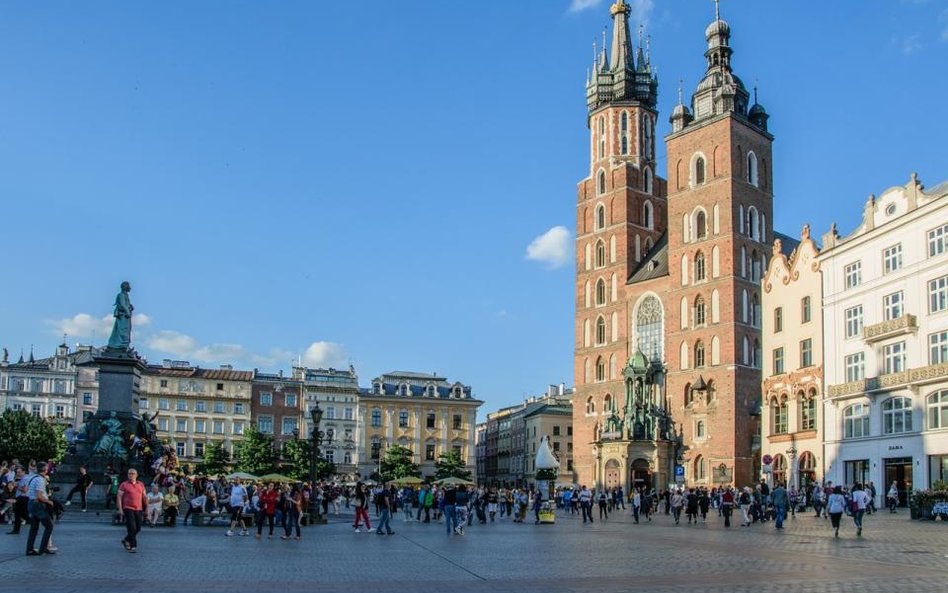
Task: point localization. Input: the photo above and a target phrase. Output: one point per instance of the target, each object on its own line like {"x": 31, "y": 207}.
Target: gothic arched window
{"x": 700, "y": 311}
{"x": 699, "y": 267}
{"x": 699, "y": 170}
{"x": 625, "y": 132}
{"x": 600, "y": 331}
{"x": 699, "y": 354}
{"x": 600, "y": 254}
{"x": 600, "y": 217}
{"x": 649, "y": 330}
{"x": 600, "y": 292}
{"x": 701, "y": 225}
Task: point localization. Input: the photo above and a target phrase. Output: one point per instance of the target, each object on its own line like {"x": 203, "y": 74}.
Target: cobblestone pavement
{"x": 615, "y": 555}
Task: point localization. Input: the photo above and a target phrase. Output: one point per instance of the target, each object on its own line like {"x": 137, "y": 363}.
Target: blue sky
{"x": 382, "y": 183}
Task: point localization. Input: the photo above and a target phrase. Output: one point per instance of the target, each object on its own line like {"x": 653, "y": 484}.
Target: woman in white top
{"x": 835, "y": 506}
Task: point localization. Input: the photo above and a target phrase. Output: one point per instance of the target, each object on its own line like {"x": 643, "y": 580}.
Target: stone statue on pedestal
{"x": 121, "y": 338}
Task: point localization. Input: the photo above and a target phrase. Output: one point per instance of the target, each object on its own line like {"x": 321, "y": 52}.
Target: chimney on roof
{"x": 563, "y": 388}
{"x": 281, "y": 373}
{"x": 227, "y": 367}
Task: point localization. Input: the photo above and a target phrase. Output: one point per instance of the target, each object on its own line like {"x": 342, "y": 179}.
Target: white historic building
{"x": 885, "y": 326}
{"x": 49, "y": 387}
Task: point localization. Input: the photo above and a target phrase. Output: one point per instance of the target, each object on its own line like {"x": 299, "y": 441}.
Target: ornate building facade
{"x": 196, "y": 407}
{"x": 668, "y": 351}
{"x": 337, "y": 393}
{"x": 792, "y": 389}
{"x": 422, "y": 412}
{"x": 885, "y": 322}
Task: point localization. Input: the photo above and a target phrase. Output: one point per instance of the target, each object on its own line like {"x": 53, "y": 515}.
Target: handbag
{"x": 853, "y": 507}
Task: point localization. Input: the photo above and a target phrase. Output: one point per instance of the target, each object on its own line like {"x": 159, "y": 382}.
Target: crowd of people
{"x": 279, "y": 508}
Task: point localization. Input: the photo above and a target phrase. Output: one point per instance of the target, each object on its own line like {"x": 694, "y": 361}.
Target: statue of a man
{"x": 121, "y": 338}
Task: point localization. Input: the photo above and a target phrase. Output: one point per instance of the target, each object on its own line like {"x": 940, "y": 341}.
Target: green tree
{"x": 296, "y": 457}
{"x": 397, "y": 463}
{"x": 24, "y": 436}
{"x": 325, "y": 469}
{"x": 255, "y": 454}
{"x": 216, "y": 460}
{"x": 450, "y": 465}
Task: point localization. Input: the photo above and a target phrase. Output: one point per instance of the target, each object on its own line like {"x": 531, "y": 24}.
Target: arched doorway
{"x": 612, "y": 473}
{"x": 641, "y": 473}
{"x": 779, "y": 469}
{"x": 807, "y": 471}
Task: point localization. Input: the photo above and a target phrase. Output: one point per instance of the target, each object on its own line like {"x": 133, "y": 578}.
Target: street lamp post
{"x": 316, "y": 414}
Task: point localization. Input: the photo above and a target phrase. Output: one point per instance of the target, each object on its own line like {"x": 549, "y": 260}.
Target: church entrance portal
{"x": 641, "y": 474}
{"x": 612, "y": 473}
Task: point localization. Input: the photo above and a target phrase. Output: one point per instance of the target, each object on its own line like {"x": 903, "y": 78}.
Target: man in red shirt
{"x": 131, "y": 502}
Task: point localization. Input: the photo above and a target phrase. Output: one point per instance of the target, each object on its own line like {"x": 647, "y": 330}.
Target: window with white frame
{"x": 806, "y": 352}
{"x": 938, "y": 294}
{"x": 238, "y": 408}
{"x": 200, "y": 406}
{"x": 265, "y": 424}
{"x": 266, "y": 398}
{"x": 237, "y": 428}
{"x": 936, "y": 240}
{"x": 854, "y": 321}
{"x": 181, "y": 425}
{"x": 376, "y": 417}
{"x": 893, "y": 357}
{"x": 896, "y": 415}
{"x": 853, "y": 274}
{"x": 290, "y": 423}
{"x": 218, "y": 427}
{"x": 200, "y": 426}
{"x": 699, "y": 267}
{"x": 856, "y": 421}
{"x": 937, "y": 406}
{"x": 855, "y": 365}
{"x": 199, "y": 449}
{"x": 181, "y": 405}
{"x": 778, "y": 320}
{"x": 218, "y": 407}
{"x": 892, "y": 305}
{"x": 892, "y": 259}
{"x": 938, "y": 348}
{"x": 778, "y": 360}
{"x": 808, "y": 411}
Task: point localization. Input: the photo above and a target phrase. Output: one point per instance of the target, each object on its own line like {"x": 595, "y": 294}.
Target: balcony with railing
{"x": 887, "y": 329}
{"x": 890, "y": 381}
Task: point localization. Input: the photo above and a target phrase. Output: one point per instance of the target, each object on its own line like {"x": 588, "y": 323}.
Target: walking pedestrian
{"x": 361, "y": 510}
{"x": 21, "y": 503}
{"x": 293, "y": 508}
{"x": 40, "y": 507}
{"x": 835, "y": 506}
{"x": 892, "y": 497}
{"x": 267, "y": 503}
{"x": 130, "y": 502}
{"x": 238, "y": 499}
{"x": 860, "y": 502}
{"x": 727, "y": 505}
{"x": 450, "y": 501}
{"x": 780, "y": 501}
{"x": 585, "y": 503}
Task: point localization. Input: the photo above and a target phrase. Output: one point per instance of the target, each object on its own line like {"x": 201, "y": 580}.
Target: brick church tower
{"x": 720, "y": 209}
{"x": 621, "y": 214}
{"x": 668, "y": 275}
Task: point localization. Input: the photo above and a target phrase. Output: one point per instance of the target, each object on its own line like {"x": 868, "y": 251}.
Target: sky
{"x": 392, "y": 185}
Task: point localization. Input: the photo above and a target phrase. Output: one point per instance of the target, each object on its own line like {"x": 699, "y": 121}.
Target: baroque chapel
{"x": 668, "y": 316}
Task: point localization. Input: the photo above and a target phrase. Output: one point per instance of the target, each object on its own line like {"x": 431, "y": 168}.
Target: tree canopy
{"x": 397, "y": 463}
{"x": 255, "y": 454}
{"x": 216, "y": 460}
{"x": 450, "y": 465}
{"x": 24, "y": 436}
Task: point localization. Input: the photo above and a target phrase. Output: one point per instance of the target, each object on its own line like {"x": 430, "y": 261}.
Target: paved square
{"x": 894, "y": 554}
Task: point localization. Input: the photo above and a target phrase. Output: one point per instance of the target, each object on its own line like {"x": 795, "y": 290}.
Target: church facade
{"x": 668, "y": 314}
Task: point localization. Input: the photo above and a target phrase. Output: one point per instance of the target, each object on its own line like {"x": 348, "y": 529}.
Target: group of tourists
{"x": 27, "y": 498}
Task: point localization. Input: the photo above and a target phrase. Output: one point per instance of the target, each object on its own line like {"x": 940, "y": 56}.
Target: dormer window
{"x": 457, "y": 392}
{"x": 431, "y": 391}
{"x": 403, "y": 389}
{"x": 378, "y": 388}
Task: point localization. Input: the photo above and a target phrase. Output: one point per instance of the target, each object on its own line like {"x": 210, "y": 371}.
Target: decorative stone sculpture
{"x": 121, "y": 338}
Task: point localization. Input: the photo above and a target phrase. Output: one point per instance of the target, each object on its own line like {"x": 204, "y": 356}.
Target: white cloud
{"x": 83, "y": 325}
{"x": 325, "y": 354}
{"x": 580, "y": 5}
{"x": 943, "y": 23}
{"x": 554, "y": 247}
{"x": 172, "y": 342}
{"x": 911, "y": 44}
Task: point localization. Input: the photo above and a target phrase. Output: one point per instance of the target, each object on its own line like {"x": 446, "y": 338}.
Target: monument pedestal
{"x": 108, "y": 439}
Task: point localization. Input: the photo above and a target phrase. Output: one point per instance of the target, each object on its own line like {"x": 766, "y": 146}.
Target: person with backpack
{"x": 384, "y": 502}
{"x": 691, "y": 506}
{"x": 744, "y": 500}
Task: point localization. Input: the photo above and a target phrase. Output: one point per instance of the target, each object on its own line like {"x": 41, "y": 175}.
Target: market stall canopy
{"x": 277, "y": 478}
{"x": 545, "y": 458}
{"x": 241, "y": 476}
{"x": 407, "y": 481}
{"x": 454, "y": 482}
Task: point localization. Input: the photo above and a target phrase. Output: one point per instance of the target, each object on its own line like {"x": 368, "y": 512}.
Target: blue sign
{"x": 679, "y": 470}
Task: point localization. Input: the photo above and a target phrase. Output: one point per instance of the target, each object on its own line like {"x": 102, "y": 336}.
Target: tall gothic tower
{"x": 621, "y": 214}
{"x": 720, "y": 211}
